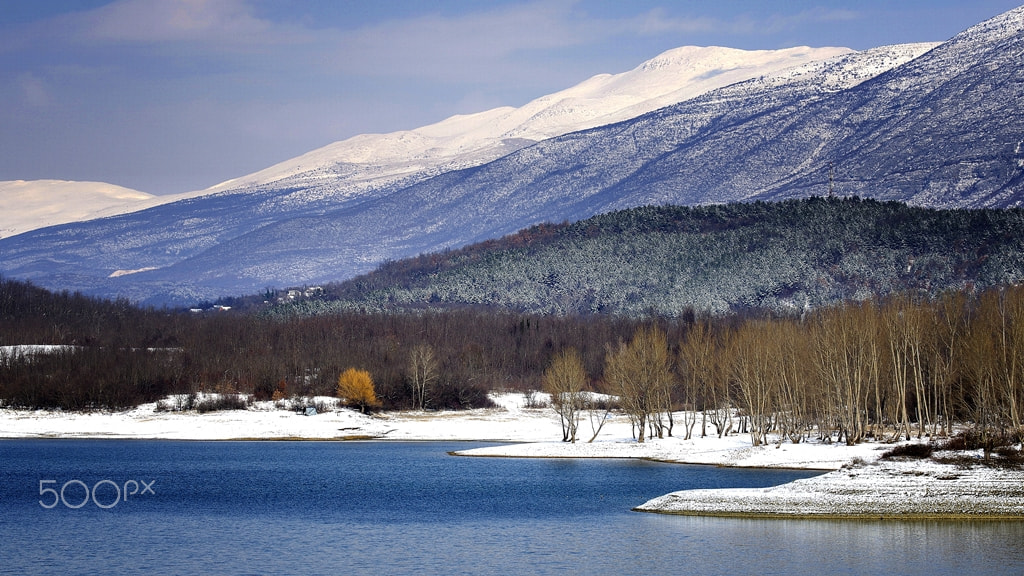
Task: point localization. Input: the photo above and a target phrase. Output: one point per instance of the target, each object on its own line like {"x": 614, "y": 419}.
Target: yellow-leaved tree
{"x": 356, "y": 388}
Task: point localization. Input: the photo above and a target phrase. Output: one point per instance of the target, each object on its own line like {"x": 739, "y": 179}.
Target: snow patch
{"x": 117, "y": 273}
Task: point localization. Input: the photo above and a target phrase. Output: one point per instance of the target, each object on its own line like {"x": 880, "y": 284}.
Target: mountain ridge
{"x": 29, "y": 204}
{"x": 891, "y": 123}
{"x": 473, "y": 139}
{"x": 358, "y": 165}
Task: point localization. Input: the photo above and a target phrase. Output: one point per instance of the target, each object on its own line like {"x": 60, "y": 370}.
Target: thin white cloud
{"x": 658, "y": 22}
{"x": 514, "y": 39}
{"x": 508, "y": 42}
{"x": 171, "y": 20}
{"x": 213, "y": 24}
{"x": 778, "y": 23}
{"x": 437, "y": 46}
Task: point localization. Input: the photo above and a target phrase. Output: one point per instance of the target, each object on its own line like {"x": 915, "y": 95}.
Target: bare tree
{"x": 422, "y": 373}
{"x": 698, "y": 368}
{"x": 640, "y": 372}
{"x": 947, "y": 326}
{"x": 564, "y": 380}
{"x": 753, "y": 365}
{"x": 904, "y": 326}
{"x": 995, "y": 344}
{"x": 846, "y": 350}
{"x": 792, "y": 373}
{"x": 717, "y": 390}
{"x": 980, "y": 401}
{"x": 598, "y": 415}
{"x": 1011, "y": 352}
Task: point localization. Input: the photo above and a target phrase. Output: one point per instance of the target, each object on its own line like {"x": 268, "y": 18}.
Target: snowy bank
{"x": 533, "y": 432}
{"x": 733, "y": 450}
{"x": 272, "y": 421}
{"x": 884, "y": 489}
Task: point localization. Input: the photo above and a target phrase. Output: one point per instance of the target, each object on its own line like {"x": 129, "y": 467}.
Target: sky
{"x": 167, "y": 96}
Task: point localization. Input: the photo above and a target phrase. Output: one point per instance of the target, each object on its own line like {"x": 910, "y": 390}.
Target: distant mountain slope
{"x": 371, "y": 163}
{"x": 27, "y": 205}
{"x": 946, "y": 130}
{"x": 565, "y": 178}
{"x": 932, "y": 125}
{"x": 373, "y": 160}
{"x": 767, "y": 138}
{"x": 105, "y": 257}
{"x": 780, "y": 256}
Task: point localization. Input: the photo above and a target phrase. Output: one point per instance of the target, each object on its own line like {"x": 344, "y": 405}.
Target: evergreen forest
{"x": 782, "y": 257}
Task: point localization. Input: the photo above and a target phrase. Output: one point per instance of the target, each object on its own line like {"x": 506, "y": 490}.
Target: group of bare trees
{"x": 640, "y": 373}
{"x": 890, "y": 369}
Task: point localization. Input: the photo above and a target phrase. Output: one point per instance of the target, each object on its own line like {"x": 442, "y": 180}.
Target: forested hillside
{"x": 785, "y": 258}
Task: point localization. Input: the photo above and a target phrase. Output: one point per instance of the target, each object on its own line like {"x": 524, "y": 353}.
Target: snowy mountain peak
{"x": 925, "y": 124}
{"x": 700, "y": 59}
{"x": 472, "y": 139}
{"x": 27, "y": 205}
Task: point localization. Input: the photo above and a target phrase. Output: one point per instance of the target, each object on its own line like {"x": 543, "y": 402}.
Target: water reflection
{"x": 772, "y": 546}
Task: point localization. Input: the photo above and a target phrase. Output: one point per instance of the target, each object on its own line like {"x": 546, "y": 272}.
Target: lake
{"x": 168, "y": 507}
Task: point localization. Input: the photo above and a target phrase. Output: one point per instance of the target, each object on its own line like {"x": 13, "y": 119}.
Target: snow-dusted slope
{"x": 307, "y": 229}
{"x": 27, "y": 205}
{"x": 470, "y": 140}
{"x": 371, "y": 161}
{"x": 935, "y": 125}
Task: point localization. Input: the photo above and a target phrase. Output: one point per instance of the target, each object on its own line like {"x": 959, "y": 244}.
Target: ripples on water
{"x": 409, "y": 508}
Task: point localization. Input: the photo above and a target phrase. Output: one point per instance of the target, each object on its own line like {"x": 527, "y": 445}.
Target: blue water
{"x": 410, "y": 508}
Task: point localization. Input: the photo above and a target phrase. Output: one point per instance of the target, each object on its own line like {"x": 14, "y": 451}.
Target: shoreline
{"x": 837, "y": 516}
{"x": 891, "y": 489}
{"x": 854, "y": 485}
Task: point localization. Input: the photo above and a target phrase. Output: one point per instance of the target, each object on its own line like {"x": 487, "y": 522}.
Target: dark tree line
{"x": 119, "y": 355}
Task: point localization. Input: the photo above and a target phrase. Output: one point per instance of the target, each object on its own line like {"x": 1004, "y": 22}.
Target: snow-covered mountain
{"x": 370, "y": 165}
{"x": 375, "y": 160}
{"x": 361, "y": 164}
{"x": 27, "y": 205}
{"x": 933, "y": 125}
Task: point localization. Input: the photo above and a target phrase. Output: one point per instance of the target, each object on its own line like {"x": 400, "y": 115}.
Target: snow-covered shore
{"x": 859, "y": 484}
{"x": 879, "y": 490}
{"x": 270, "y": 421}
{"x": 521, "y": 432}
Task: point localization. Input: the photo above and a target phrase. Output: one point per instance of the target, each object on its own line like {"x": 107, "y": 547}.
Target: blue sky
{"x": 175, "y": 95}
